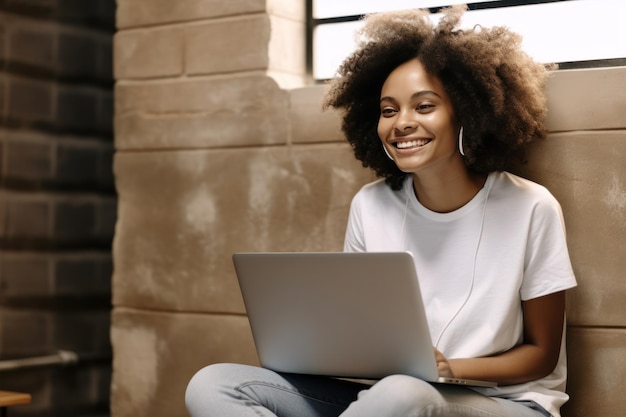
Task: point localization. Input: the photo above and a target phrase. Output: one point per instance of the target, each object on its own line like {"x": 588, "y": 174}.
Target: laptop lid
{"x": 340, "y": 314}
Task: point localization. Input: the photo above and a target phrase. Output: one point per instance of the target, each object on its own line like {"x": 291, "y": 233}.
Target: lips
{"x": 407, "y": 144}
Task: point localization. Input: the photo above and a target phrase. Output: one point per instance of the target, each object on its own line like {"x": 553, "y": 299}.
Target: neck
{"x": 444, "y": 194}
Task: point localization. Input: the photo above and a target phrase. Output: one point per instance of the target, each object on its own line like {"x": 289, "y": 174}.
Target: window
{"x": 573, "y": 33}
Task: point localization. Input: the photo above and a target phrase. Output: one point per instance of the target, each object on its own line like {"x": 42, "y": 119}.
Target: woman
{"x": 439, "y": 113}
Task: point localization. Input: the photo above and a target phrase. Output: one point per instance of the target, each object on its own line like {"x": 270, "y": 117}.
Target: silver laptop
{"x": 351, "y": 315}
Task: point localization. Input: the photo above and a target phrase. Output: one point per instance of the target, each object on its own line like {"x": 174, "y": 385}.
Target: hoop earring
{"x": 461, "y": 142}
{"x": 387, "y": 153}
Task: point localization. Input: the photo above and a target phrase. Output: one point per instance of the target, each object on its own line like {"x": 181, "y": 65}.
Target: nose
{"x": 405, "y": 123}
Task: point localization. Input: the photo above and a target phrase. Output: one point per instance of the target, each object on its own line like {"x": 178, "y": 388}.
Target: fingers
{"x": 443, "y": 366}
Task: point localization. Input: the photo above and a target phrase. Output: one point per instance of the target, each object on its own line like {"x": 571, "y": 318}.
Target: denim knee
{"x": 205, "y": 384}
{"x": 404, "y": 394}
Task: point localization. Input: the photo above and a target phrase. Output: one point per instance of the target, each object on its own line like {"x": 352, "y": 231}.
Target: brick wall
{"x": 57, "y": 199}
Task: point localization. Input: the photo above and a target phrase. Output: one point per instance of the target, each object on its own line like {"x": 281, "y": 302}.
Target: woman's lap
{"x": 251, "y": 391}
{"x": 224, "y": 390}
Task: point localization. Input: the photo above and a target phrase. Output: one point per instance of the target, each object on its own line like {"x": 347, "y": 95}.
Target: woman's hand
{"x": 535, "y": 358}
{"x": 443, "y": 366}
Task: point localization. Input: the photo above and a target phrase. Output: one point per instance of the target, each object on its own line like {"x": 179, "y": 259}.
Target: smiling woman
{"x": 439, "y": 112}
{"x": 489, "y": 246}
{"x": 551, "y": 30}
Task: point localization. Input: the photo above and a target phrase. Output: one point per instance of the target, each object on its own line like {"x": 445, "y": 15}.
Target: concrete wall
{"x": 221, "y": 148}
{"x": 583, "y": 163}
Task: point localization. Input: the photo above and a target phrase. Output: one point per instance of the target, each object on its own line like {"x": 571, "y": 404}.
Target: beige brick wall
{"x": 160, "y": 38}
{"x": 222, "y": 149}
{"x": 214, "y": 155}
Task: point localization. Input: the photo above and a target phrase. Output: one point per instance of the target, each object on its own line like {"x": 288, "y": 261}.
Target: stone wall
{"x": 582, "y": 163}
{"x": 57, "y": 200}
{"x": 214, "y": 155}
{"x": 221, "y": 148}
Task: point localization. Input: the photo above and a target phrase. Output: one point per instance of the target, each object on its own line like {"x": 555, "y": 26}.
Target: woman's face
{"x": 417, "y": 125}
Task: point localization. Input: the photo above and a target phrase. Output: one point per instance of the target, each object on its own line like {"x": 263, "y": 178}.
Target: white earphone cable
{"x": 406, "y": 206}
{"x": 467, "y": 297}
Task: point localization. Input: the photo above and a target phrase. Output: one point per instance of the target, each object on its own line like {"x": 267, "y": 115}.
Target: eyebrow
{"x": 414, "y": 96}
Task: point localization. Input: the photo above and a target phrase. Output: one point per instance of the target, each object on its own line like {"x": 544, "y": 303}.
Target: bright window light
{"x": 323, "y": 9}
{"x": 564, "y": 31}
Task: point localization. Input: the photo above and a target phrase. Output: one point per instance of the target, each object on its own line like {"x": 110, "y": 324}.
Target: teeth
{"x": 411, "y": 144}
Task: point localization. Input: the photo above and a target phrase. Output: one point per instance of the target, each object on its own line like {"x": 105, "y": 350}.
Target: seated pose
{"x": 438, "y": 114}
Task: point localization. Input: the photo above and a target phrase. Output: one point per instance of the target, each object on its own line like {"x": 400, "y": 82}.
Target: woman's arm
{"x": 535, "y": 358}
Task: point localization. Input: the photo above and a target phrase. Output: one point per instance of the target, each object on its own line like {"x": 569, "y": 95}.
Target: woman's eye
{"x": 387, "y": 111}
{"x": 425, "y": 107}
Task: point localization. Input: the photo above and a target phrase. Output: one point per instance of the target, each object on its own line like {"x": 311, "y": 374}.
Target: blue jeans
{"x": 232, "y": 390}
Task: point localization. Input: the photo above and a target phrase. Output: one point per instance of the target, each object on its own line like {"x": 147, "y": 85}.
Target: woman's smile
{"x": 409, "y": 144}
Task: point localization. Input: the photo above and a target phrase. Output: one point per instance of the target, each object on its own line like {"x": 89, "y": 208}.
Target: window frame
{"x": 313, "y": 22}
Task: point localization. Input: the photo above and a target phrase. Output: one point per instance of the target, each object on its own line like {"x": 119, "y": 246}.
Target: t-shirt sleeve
{"x": 354, "y": 240}
{"x": 547, "y": 266}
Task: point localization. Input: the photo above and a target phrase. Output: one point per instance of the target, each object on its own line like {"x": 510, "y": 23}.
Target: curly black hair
{"x": 496, "y": 89}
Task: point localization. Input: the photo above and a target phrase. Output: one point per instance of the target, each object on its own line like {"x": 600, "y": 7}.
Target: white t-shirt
{"x": 475, "y": 266}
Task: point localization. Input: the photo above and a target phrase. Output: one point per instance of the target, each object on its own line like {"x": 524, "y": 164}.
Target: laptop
{"x": 349, "y": 315}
